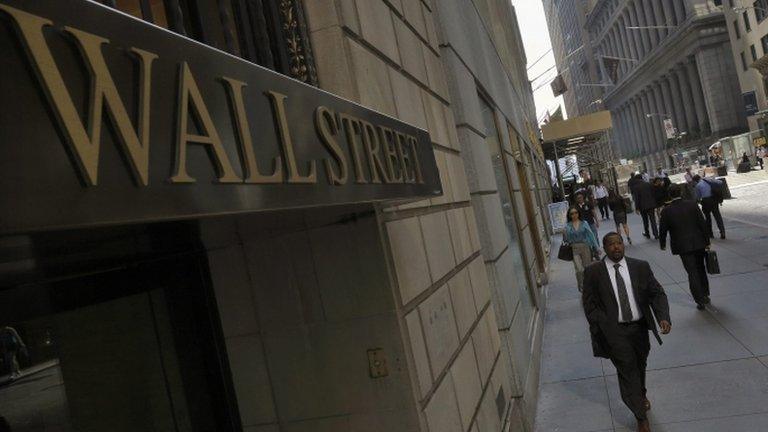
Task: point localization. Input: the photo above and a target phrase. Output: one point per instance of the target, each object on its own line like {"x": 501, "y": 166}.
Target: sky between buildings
{"x": 533, "y": 26}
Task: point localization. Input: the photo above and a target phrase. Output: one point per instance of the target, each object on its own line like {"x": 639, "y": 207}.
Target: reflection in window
{"x": 507, "y": 206}
{"x": 107, "y": 352}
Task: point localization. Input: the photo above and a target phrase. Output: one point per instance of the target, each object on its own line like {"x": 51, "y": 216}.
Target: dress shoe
{"x": 643, "y": 426}
{"x": 707, "y": 300}
{"x": 700, "y": 306}
{"x": 646, "y": 235}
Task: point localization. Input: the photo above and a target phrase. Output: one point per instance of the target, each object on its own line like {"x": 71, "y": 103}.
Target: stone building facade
{"x": 684, "y": 71}
{"x": 412, "y": 315}
{"x": 574, "y": 55}
{"x": 748, "y": 31}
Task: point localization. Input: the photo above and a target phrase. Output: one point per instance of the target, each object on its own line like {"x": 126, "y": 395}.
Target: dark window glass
{"x": 761, "y": 10}
{"x": 747, "y": 26}
{"x": 764, "y": 42}
{"x": 743, "y": 61}
{"x": 753, "y": 51}
{"x": 736, "y": 29}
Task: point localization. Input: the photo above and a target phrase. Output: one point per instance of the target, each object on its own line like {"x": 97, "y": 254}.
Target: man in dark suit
{"x": 689, "y": 238}
{"x": 620, "y": 298}
{"x": 645, "y": 204}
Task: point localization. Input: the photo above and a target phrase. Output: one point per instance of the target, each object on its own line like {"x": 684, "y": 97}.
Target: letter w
{"x": 85, "y": 144}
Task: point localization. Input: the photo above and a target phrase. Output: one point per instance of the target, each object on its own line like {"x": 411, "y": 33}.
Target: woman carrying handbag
{"x": 583, "y": 243}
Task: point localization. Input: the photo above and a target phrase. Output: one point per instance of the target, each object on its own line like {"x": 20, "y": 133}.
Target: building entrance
{"x": 127, "y": 349}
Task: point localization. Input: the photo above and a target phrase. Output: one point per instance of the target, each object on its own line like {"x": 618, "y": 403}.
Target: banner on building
{"x": 558, "y": 86}
{"x": 669, "y": 129}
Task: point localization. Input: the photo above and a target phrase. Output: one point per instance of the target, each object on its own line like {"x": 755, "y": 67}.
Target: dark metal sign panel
{"x": 106, "y": 119}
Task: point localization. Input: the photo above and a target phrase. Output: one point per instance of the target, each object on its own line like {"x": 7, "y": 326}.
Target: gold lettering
{"x": 85, "y": 145}
{"x": 250, "y": 166}
{"x": 278, "y": 106}
{"x": 372, "y": 149}
{"x": 189, "y": 92}
{"x": 327, "y": 127}
{"x": 404, "y": 157}
{"x": 415, "y": 154}
{"x": 390, "y": 154}
{"x": 352, "y": 128}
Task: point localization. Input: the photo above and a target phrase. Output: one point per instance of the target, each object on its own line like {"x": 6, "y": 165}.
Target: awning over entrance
{"x": 588, "y": 137}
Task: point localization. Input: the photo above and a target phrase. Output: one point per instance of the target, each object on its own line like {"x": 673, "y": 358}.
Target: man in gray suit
{"x": 620, "y": 298}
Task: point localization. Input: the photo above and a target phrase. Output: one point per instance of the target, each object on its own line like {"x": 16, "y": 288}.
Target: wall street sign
{"x": 107, "y": 119}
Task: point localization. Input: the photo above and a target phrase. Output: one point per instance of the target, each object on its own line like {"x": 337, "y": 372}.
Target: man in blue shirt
{"x": 703, "y": 192}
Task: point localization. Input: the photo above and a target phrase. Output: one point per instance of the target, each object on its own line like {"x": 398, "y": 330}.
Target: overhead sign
{"x": 108, "y": 119}
{"x": 750, "y": 103}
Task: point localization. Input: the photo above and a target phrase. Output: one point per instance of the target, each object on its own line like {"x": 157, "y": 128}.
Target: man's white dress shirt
{"x": 624, "y": 273}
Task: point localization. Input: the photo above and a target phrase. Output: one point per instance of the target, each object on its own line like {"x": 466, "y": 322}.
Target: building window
{"x": 718, "y": 2}
{"x": 503, "y": 163}
{"x": 764, "y": 43}
{"x": 761, "y": 10}
{"x": 747, "y": 26}
{"x": 743, "y": 61}
{"x": 753, "y": 51}
{"x": 736, "y": 29}
{"x": 271, "y": 33}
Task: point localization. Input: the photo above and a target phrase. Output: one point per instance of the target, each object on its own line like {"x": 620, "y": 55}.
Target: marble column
{"x": 641, "y": 22}
{"x": 647, "y": 130}
{"x": 660, "y": 119}
{"x": 687, "y": 99}
{"x": 654, "y": 120}
{"x": 641, "y": 138}
{"x": 632, "y": 46}
{"x": 637, "y": 136}
{"x": 680, "y": 12}
{"x": 698, "y": 95}
{"x": 666, "y": 95}
{"x": 636, "y": 38}
{"x": 669, "y": 14}
{"x": 658, "y": 11}
{"x": 624, "y": 47}
{"x": 651, "y": 21}
{"x": 628, "y": 127}
{"x": 677, "y": 100}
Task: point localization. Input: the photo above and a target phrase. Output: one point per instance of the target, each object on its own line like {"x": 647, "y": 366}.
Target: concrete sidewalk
{"x": 711, "y": 374}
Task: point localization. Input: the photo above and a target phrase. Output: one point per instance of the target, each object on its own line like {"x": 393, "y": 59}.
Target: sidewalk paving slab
{"x": 711, "y": 374}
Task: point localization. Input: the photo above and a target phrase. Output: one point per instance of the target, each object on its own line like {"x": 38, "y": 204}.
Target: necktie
{"x": 621, "y": 287}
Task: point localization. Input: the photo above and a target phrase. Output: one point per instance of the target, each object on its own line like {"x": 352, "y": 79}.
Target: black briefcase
{"x": 713, "y": 266}
{"x": 565, "y": 253}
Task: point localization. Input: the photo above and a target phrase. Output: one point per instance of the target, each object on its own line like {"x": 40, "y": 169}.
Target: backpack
{"x": 717, "y": 190}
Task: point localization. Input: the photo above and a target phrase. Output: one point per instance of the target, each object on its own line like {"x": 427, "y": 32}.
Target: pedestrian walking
{"x": 659, "y": 195}
{"x": 710, "y": 204}
{"x": 645, "y": 203}
{"x": 583, "y": 242}
{"x": 689, "y": 239}
{"x": 620, "y": 297}
{"x": 588, "y": 212}
{"x": 619, "y": 209}
{"x": 601, "y": 195}
{"x": 760, "y": 156}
